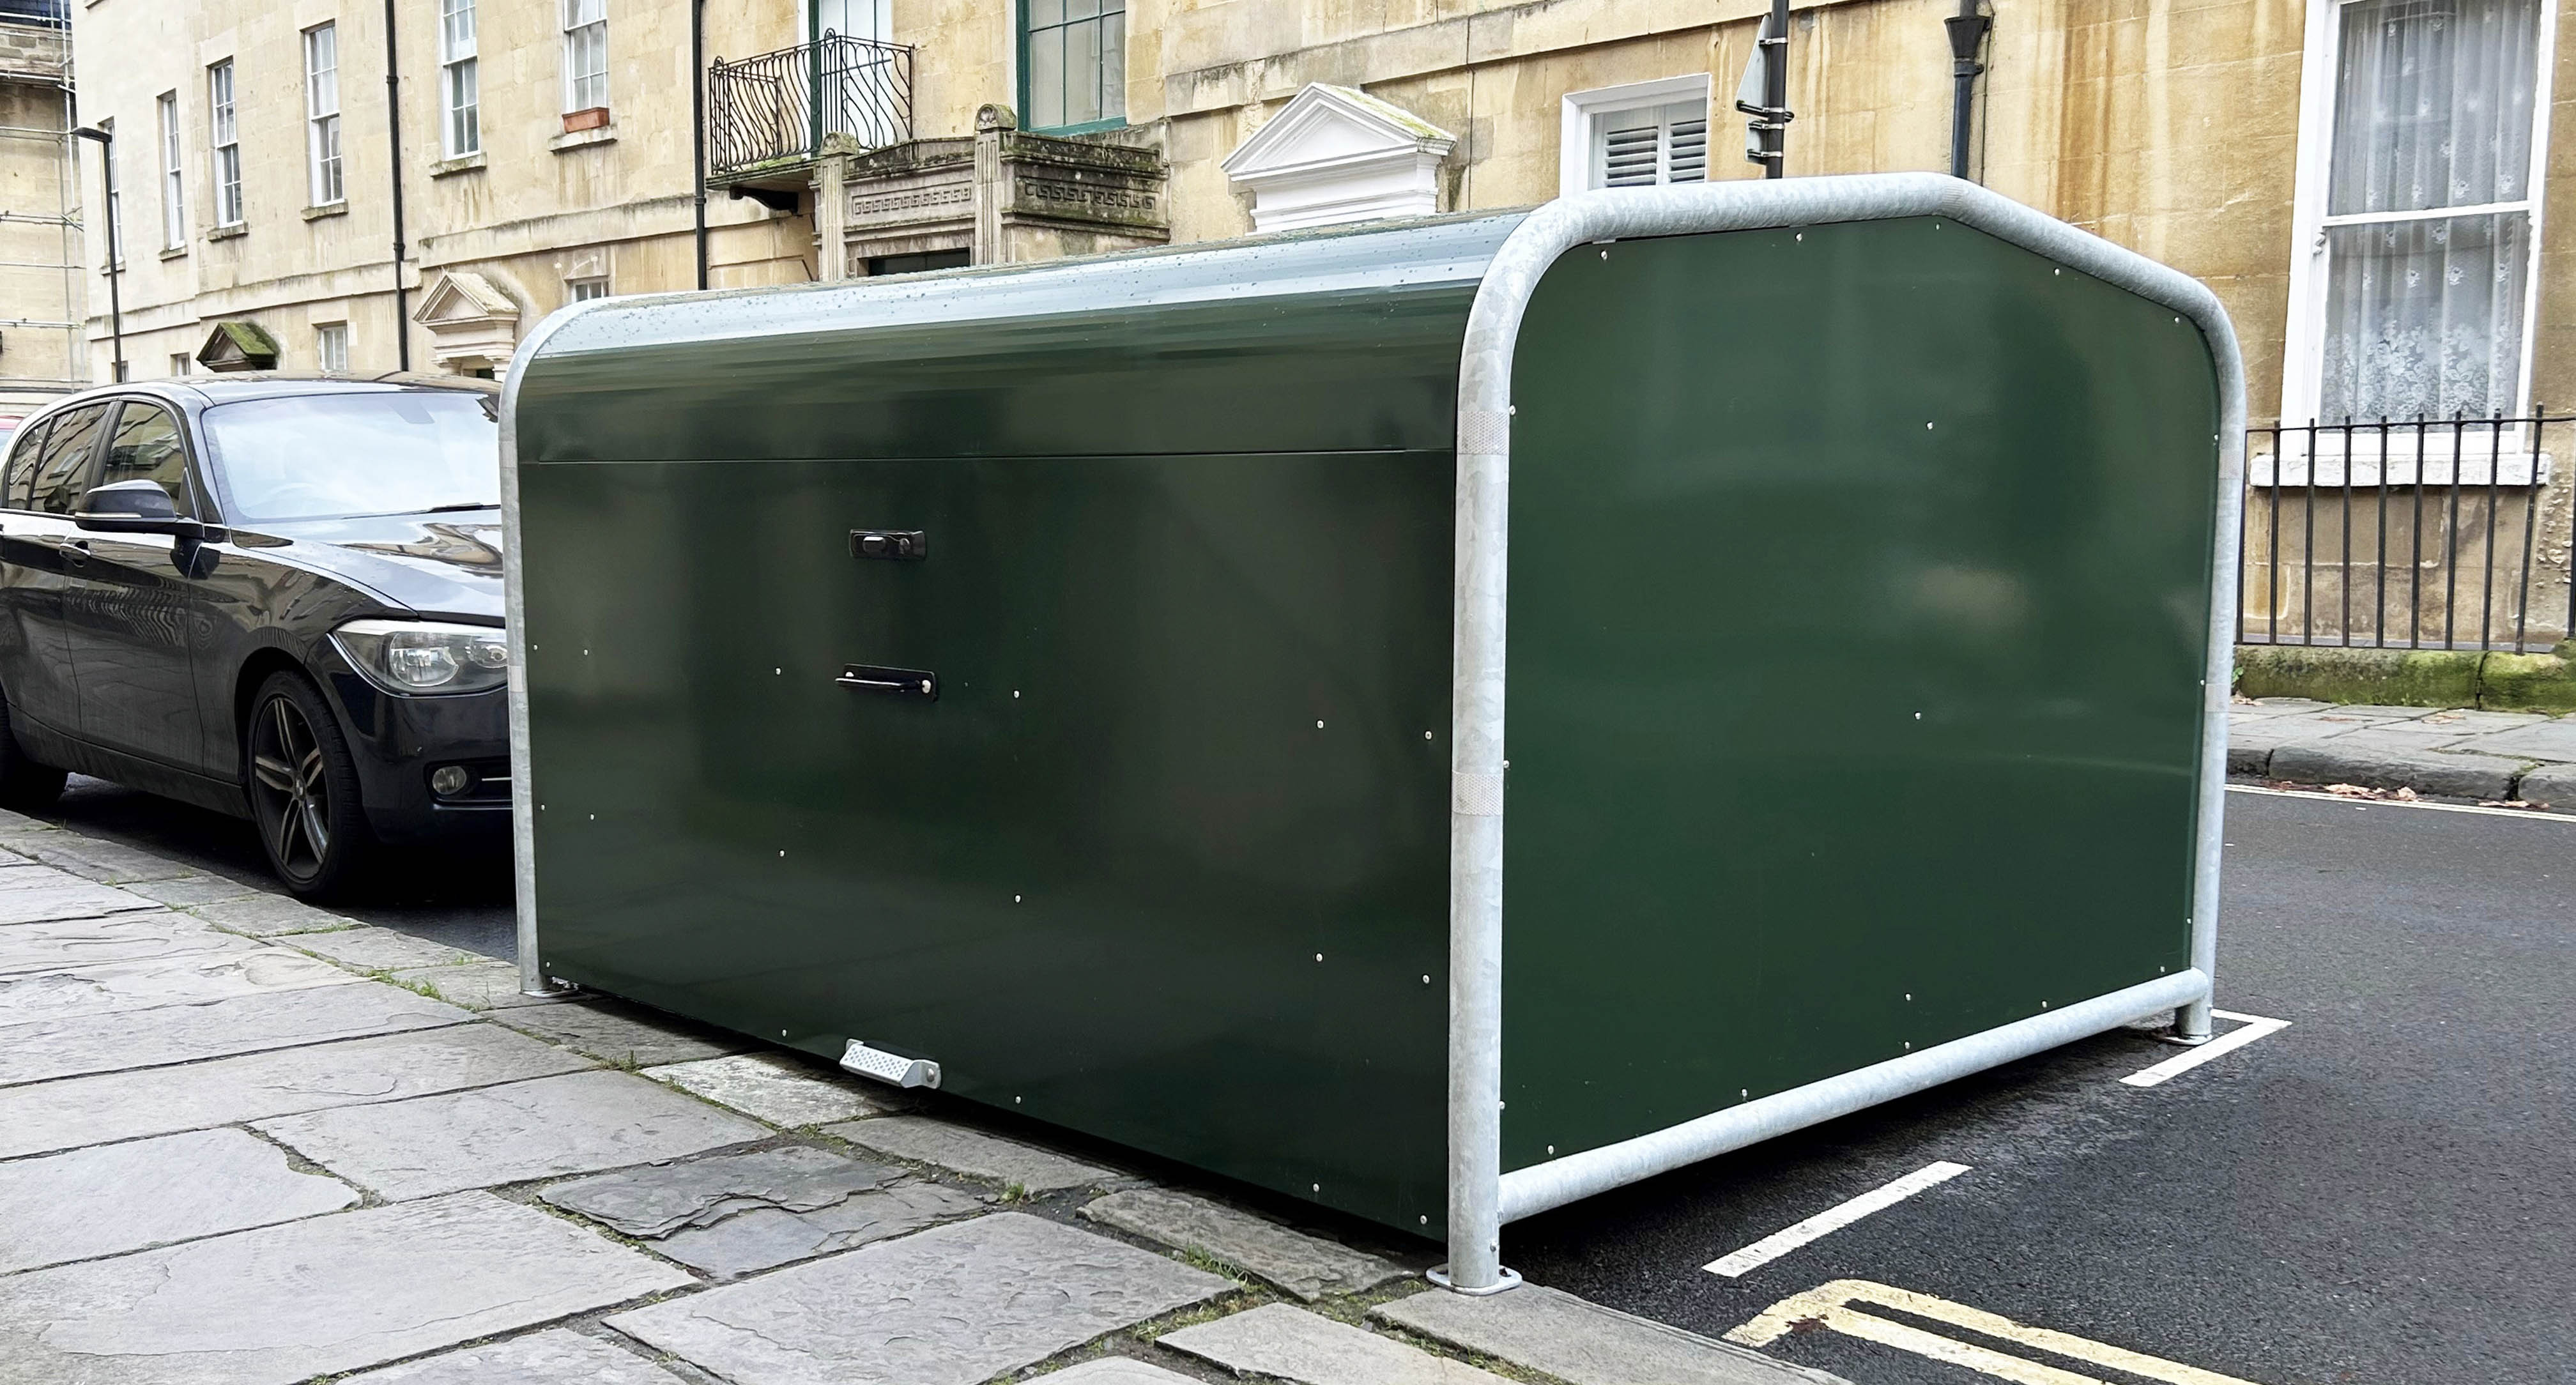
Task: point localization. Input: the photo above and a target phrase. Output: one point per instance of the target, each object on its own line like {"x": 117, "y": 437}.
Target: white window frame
{"x": 325, "y": 183}
{"x": 1582, "y": 112}
{"x": 585, "y": 288}
{"x": 460, "y": 80}
{"x": 174, "y": 174}
{"x": 2303, "y": 355}
{"x": 181, "y": 363}
{"x": 584, "y": 89}
{"x": 330, "y": 339}
{"x": 223, "y": 143}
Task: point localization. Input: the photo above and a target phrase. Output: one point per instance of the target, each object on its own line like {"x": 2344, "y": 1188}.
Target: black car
{"x": 277, "y": 598}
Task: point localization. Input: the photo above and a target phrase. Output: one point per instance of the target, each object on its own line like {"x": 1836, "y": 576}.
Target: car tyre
{"x": 303, "y": 787}
{"x": 24, "y": 784}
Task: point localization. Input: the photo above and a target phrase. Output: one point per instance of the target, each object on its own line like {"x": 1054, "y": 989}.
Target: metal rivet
{"x": 1319, "y": 956}
{"x": 1426, "y": 735}
{"x": 1319, "y": 1187}
{"x": 1605, "y": 254}
{"x": 1426, "y": 980}
{"x": 1927, "y": 426}
{"x": 1551, "y": 1149}
{"x": 1319, "y": 726}
{"x": 1918, "y": 716}
{"x": 1015, "y": 692}
{"x": 1744, "y": 1093}
{"x": 585, "y": 654}
{"x": 1426, "y": 1221}
{"x": 1015, "y": 899}
{"x": 1802, "y": 235}
{"x": 1909, "y": 995}
{"x": 595, "y": 817}
{"x": 782, "y": 855}
{"x": 1909, "y": 1048}
{"x": 2043, "y": 1005}
{"x": 1507, "y": 764}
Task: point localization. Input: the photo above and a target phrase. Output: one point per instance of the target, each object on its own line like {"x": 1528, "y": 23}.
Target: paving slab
{"x": 766, "y": 1238}
{"x": 117, "y": 1198}
{"x": 269, "y": 915}
{"x": 1295, "y": 1345}
{"x": 106, "y": 988}
{"x": 1115, "y": 1370}
{"x": 49, "y": 946}
{"x": 2550, "y": 740}
{"x": 2384, "y": 766}
{"x": 627, "y": 1035}
{"x": 45, "y": 1049}
{"x": 655, "y": 1202}
{"x": 544, "y": 1128}
{"x": 338, "y": 1293}
{"x": 191, "y": 889}
{"x": 112, "y": 863}
{"x": 1583, "y": 1343}
{"x": 1307, "y": 1266}
{"x": 377, "y": 949}
{"x": 955, "y": 1305}
{"x": 63, "y": 897}
{"x": 2471, "y": 721}
{"x": 971, "y": 1152}
{"x": 555, "y": 1356}
{"x": 783, "y": 1090}
{"x": 46, "y": 1116}
{"x": 477, "y": 985}
{"x": 2250, "y": 745}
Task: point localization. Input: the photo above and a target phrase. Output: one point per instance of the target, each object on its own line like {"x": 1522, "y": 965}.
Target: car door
{"x": 36, "y": 557}
{"x": 127, "y": 605}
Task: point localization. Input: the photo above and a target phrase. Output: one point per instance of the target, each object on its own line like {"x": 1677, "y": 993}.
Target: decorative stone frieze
{"x": 1002, "y": 194}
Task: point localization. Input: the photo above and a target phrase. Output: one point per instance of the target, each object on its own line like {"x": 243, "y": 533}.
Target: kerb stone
{"x": 576, "y": 1123}
{"x": 2383, "y": 766}
{"x": 1584, "y": 1343}
{"x": 1304, "y": 1265}
{"x": 624, "y": 1034}
{"x": 377, "y": 949}
{"x": 116, "y": 1198}
{"x": 268, "y": 915}
{"x": 338, "y": 1293}
{"x": 476, "y": 985}
{"x": 956, "y": 1305}
{"x": 1295, "y": 1345}
{"x": 2554, "y": 785}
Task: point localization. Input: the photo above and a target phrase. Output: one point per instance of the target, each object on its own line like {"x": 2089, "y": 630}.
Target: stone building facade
{"x": 41, "y": 278}
{"x": 2365, "y": 183}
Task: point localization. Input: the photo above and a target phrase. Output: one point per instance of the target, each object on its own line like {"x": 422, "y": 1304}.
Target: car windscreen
{"x": 321, "y": 456}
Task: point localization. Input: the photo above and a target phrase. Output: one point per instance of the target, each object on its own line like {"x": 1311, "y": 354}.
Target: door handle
{"x": 76, "y": 551}
{"x": 911, "y": 682}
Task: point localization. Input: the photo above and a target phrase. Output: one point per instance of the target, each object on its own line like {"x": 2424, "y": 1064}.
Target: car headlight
{"x": 426, "y": 656}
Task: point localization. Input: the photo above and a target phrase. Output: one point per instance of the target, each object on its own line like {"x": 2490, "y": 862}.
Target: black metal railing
{"x": 2407, "y": 534}
{"x": 782, "y": 107}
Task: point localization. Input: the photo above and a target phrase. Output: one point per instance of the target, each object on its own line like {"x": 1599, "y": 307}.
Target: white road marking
{"x": 2525, "y": 813}
{"x": 2255, "y": 1027}
{"x": 1833, "y": 1219}
{"x": 1830, "y": 1306}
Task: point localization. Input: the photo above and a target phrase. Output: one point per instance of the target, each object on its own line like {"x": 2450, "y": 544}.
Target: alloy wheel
{"x": 295, "y": 802}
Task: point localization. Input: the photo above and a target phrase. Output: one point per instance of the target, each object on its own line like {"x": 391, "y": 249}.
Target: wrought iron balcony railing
{"x": 787, "y": 107}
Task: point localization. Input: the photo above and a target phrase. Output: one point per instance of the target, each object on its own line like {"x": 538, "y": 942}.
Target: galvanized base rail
{"x": 1481, "y": 1197}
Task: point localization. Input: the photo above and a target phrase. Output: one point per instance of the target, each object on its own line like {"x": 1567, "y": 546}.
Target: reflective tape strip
{"x": 1476, "y": 795}
{"x": 1484, "y": 432}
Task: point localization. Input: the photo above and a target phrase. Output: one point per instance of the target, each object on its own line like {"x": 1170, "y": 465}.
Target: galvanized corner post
{"x": 514, "y": 610}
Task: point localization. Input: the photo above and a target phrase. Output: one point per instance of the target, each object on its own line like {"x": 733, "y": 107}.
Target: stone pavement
{"x": 244, "y": 1141}
{"x": 2493, "y": 757}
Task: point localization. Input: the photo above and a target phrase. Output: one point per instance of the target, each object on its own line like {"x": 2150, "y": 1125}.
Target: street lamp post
{"x": 115, "y": 253}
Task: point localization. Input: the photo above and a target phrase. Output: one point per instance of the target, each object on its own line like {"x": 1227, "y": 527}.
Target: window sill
{"x": 462, "y": 163}
{"x": 2511, "y": 464}
{"x": 238, "y": 228}
{"x": 1092, "y": 128}
{"x": 327, "y": 209}
{"x": 176, "y": 252}
{"x": 583, "y": 139}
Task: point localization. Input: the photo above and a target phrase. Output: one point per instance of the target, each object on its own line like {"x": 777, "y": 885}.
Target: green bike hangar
{"x": 1082, "y": 686}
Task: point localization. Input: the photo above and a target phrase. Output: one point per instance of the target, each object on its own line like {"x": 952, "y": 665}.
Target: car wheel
{"x": 304, "y": 789}
{"x": 24, "y": 784}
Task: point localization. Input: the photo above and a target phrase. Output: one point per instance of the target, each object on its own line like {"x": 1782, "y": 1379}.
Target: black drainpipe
{"x": 393, "y": 156}
{"x": 698, "y": 123}
{"x": 1967, "y": 34}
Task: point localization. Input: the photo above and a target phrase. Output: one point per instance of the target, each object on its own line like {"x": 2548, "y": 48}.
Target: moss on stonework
{"x": 2410, "y": 677}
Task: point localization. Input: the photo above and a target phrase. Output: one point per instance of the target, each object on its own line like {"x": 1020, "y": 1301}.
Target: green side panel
{"x": 1165, "y": 861}
{"x": 1859, "y": 591}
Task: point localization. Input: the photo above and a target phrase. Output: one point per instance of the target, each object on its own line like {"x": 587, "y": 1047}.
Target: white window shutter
{"x": 1656, "y": 144}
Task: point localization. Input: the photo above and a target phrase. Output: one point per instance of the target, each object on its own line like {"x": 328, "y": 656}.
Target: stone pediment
{"x": 1335, "y": 155}
{"x": 472, "y": 324}
{"x": 238, "y": 345}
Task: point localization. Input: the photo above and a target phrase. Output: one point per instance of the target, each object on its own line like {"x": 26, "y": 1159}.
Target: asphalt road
{"x": 458, "y": 898}
{"x": 2385, "y": 1191}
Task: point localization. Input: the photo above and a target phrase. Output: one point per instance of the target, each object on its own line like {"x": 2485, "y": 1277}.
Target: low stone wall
{"x": 2493, "y": 681}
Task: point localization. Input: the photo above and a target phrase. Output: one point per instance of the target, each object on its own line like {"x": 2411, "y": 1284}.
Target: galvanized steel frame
{"x": 1481, "y": 1197}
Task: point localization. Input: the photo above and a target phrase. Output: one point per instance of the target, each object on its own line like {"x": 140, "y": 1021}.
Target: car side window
{"x": 22, "y": 463}
{"x": 62, "y": 473}
{"x": 146, "y": 447}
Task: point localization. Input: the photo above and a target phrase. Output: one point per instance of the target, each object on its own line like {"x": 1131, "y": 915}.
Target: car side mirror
{"x": 133, "y": 507}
